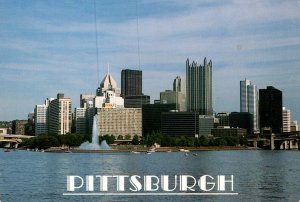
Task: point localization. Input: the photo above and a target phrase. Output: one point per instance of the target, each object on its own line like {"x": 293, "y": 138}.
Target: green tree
{"x": 135, "y": 140}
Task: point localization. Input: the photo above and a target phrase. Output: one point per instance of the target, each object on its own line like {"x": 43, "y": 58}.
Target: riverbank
{"x": 133, "y": 148}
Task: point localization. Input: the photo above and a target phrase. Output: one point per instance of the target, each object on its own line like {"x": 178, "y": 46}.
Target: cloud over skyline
{"x": 49, "y": 47}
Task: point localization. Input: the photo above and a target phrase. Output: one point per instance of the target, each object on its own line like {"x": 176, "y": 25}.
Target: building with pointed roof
{"x": 199, "y": 87}
{"x": 108, "y": 83}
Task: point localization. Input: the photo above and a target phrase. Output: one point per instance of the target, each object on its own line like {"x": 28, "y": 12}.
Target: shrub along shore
{"x": 61, "y": 142}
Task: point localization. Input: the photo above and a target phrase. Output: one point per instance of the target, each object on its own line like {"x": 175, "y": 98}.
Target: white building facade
{"x": 286, "y": 119}
{"x": 41, "y": 117}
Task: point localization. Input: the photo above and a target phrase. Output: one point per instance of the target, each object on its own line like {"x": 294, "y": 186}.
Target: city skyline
{"x": 49, "y": 47}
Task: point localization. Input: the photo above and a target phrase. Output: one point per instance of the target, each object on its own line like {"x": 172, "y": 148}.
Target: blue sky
{"x": 49, "y": 47}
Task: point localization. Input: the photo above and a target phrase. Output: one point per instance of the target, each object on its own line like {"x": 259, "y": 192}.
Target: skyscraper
{"x": 41, "y": 117}
{"x": 60, "y": 115}
{"x": 249, "y": 101}
{"x": 108, "y": 83}
{"x": 131, "y": 89}
{"x": 131, "y": 82}
{"x": 270, "y": 109}
{"x": 199, "y": 87}
{"x": 286, "y": 120}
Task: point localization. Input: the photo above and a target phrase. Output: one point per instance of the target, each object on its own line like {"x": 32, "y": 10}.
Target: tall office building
{"x": 84, "y": 98}
{"x": 270, "y": 109}
{"x": 41, "y": 117}
{"x": 60, "y": 115}
{"x": 179, "y": 86}
{"x": 223, "y": 118}
{"x": 286, "y": 120}
{"x": 131, "y": 89}
{"x": 81, "y": 120}
{"x": 131, "y": 82}
{"x": 199, "y": 87}
{"x": 249, "y": 101}
{"x": 108, "y": 83}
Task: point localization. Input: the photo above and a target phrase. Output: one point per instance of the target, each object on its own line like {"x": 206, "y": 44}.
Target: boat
{"x": 135, "y": 152}
{"x": 184, "y": 150}
{"x": 7, "y": 150}
{"x": 68, "y": 151}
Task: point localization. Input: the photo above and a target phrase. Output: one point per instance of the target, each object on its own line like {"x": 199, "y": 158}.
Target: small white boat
{"x": 135, "y": 152}
{"x": 184, "y": 150}
{"x": 68, "y": 151}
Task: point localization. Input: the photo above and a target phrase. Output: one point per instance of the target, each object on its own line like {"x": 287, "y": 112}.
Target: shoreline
{"x": 145, "y": 150}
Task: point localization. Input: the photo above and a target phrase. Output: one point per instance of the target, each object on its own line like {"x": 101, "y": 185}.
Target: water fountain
{"x": 94, "y": 145}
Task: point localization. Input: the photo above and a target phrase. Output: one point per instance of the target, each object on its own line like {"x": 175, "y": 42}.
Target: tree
{"x": 127, "y": 137}
{"x": 135, "y": 140}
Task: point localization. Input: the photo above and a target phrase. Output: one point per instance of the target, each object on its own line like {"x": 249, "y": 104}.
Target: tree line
{"x": 46, "y": 141}
{"x": 168, "y": 141}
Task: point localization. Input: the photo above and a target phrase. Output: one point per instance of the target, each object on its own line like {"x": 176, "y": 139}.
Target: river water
{"x": 259, "y": 175}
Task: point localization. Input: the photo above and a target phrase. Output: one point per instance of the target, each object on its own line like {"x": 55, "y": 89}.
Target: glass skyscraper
{"x": 249, "y": 101}
{"x": 131, "y": 82}
{"x": 199, "y": 87}
{"x": 270, "y": 108}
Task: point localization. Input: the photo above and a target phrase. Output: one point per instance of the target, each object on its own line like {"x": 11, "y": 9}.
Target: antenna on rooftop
{"x": 96, "y": 36}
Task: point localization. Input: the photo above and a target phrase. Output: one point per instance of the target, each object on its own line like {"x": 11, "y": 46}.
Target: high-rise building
{"x": 108, "y": 94}
{"x": 81, "y": 120}
{"x": 84, "y": 98}
{"x": 152, "y": 116}
{"x": 199, "y": 87}
{"x": 18, "y": 127}
{"x": 108, "y": 83}
{"x": 60, "y": 115}
{"x": 223, "y": 118}
{"x": 270, "y": 109}
{"x": 180, "y": 123}
{"x": 41, "y": 117}
{"x": 286, "y": 120}
{"x": 241, "y": 120}
{"x": 131, "y": 89}
{"x": 249, "y": 101}
{"x": 179, "y": 86}
{"x": 119, "y": 121}
{"x": 131, "y": 82}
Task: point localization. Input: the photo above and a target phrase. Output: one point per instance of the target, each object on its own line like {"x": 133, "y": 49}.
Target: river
{"x": 259, "y": 175}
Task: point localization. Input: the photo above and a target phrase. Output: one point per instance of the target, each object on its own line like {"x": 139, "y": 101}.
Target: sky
{"x": 47, "y": 47}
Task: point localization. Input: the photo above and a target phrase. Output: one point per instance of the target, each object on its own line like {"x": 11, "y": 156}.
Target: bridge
{"x": 12, "y": 140}
{"x": 276, "y": 142}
